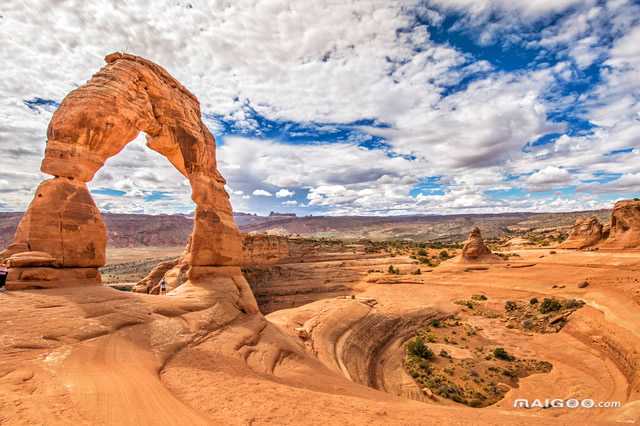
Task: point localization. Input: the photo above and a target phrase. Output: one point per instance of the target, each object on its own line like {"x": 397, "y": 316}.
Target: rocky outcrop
{"x": 624, "y": 232}
{"x": 264, "y": 249}
{"x": 257, "y": 250}
{"x": 475, "y": 250}
{"x": 93, "y": 123}
{"x": 587, "y": 232}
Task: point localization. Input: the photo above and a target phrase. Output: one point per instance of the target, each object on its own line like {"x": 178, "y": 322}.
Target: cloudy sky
{"x": 349, "y": 107}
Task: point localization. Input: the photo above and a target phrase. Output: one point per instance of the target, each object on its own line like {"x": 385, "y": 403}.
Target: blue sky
{"x": 362, "y": 107}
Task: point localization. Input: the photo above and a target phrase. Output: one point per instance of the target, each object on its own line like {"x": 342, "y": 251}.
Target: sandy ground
{"x": 99, "y": 356}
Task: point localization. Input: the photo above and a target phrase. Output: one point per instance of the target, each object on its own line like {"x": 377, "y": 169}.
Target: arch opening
{"x": 61, "y": 239}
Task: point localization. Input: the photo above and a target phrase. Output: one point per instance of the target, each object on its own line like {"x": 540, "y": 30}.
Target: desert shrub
{"x": 444, "y": 255}
{"x": 479, "y": 297}
{"x": 417, "y": 272}
{"x": 549, "y": 305}
{"x": 510, "y": 305}
{"x": 417, "y": 348}
{"x": 501, "y": 353}
{"x": 527, "y": 324}
{"x": 422, "y": 252}
{"x": 425, "y": 260}
{"x": 533, "y": 301}
{"x": 573, "y": 303}
{"x": 431, "y": 338}
{"x": 436, "y": 323}
{"x": 393, "y": 270}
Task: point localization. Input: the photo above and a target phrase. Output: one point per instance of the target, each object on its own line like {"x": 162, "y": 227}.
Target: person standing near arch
{"x": 3, "y": 277}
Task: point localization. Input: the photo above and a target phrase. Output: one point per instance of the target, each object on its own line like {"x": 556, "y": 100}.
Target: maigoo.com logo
{"x": 564, "y": 403}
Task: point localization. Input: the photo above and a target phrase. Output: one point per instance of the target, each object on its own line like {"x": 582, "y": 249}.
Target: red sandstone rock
{"x": 93, "y": 123}
{"x": 625, "y": 226}
{"x": 63, "y": 221}
{"x": 257, "y": 250}
{"x": 587, "y": 232}
{"x": 264, "y": 249}
{"x": 475, "y": 251}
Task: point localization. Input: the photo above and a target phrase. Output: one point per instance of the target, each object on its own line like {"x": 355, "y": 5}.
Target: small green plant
{"x": 417, "y": 348}
{"x": 393, "y": 270}
{"x": 479, "y": 297}
{"x": 436, "y": 323}
{"x": 549, "y": 305}
{"x": 417, "y": 272}
{"x": 533, "y": 301}
{"x": 510, "y": 305}
{"x": 444, "y": 255}
{"x": 501, "y": 353}
{"x": 422, "y": 252}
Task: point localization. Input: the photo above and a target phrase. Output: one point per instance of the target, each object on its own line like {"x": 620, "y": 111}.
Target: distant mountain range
{"x": 135, "y": 230}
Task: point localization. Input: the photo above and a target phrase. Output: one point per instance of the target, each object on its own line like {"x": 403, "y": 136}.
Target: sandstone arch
{"x": 61, "y": 239}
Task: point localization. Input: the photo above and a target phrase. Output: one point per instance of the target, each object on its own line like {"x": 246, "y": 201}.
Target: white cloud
{"x": 284, "y": 193}
{"x": 548, "y": 178}
{"x": 328, "y": 62}
{"x": 262, "y": 193}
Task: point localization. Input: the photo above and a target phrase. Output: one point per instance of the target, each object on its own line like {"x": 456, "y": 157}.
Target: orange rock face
{"x": 64, "y": 222}
{"x": 256, "y": 250}
{"x": 475, "y": 250}
{"x": 587, "y": 232}
{"x": 625, "y": 226}
{"x": 264, "y": 249}
{"x": 93, "y": 123}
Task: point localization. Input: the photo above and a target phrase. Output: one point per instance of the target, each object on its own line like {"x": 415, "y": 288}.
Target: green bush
{"x": 502, "y": 354}
{"x": 533, "y": 301}
{"x": 422, "y": 252}
{"x": 444, "y": 255}
{"x": 479, "y": 297}
{"x": 510, "y": 305}
{"x": 417, "y": 348}
{"x": 549, "y": 305}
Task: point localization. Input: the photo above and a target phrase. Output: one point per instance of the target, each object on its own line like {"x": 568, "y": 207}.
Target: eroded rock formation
{"x": 587, "y": 232}
{"x": 63, "y": 230}
{"x": 625, "y": 226}
{"x": 475, "y": 250}
{"x": 264, "y": 249}
{"x": 257, "y": 250}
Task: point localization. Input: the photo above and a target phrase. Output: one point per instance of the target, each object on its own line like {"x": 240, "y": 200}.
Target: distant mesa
{"x": 476, "y": 251}
{"x": 278, "y": 214}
